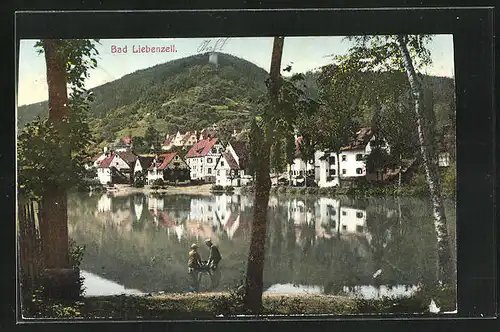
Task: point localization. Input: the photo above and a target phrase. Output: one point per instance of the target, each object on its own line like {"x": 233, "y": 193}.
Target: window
{"x": 344, "y": 171}
{"x": 333, "y": 172}
{"x": 222, "y": 163}
{"x": 331, "y": 159}
{"x": 344, "y": 213}
{"x": 214, "y": 150}
{"x": 209, "y": 160}
{"x": 344, "y": 157}
{"x": 218, "y": 172}
{"x": 359, "y": 171}
{"x": 227, "y": 172}
{"x": 359, "y": 157}
{"x": 209, "y": 171}
{"x": 359, "y": 229}
{"x": 359, "y": 214}
{"x": 344, "y": 227}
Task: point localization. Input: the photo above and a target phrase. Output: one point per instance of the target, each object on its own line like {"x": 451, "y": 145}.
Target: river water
{"x": 370, "y": 248}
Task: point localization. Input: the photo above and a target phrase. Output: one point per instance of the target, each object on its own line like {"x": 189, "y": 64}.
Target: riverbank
{"x": 213, "y": 305}
{"x": 125, "y": 190}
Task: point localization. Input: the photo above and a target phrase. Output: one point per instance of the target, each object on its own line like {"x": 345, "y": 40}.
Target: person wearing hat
{"x": 214, "y": 258}
{"x": 194, "y": 264}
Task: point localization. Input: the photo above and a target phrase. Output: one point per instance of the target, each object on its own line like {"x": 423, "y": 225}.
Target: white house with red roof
{"x": 170, "y": 167}
{"x": 202, "y": 159}
{"x": 116, "y": 167}
{"x": 232, "y": 166}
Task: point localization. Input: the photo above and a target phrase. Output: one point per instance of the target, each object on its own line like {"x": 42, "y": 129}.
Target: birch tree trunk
{"x": 254, "y": 284}
{"x": 431, "y": 170}
{"x": 54, "y": 221}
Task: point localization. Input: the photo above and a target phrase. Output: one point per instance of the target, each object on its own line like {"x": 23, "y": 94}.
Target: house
{"x": 299, "y": 168}
{"x": 123, "y": 145}
{"x": 187, "y": 139}
{"x": 232, "y": 166}
{"x": 169, "y": 167}
{"x": 142, "y": 164}
{"x": 351, "y": 162}
{"x": 116, "y": 168}
{"x": 202, "y": 159}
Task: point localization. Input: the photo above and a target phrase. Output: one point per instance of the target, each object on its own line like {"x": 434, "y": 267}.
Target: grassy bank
{"x": 216, "y": 305}
{"x": 353, "y": 191}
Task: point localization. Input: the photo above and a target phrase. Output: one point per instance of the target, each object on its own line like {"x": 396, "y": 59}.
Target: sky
{"x": 303, "y": 53}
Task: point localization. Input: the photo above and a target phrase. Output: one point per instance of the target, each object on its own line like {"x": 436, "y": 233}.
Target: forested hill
{"x": 190, "y": 94}
{"x": 183, "y": 94}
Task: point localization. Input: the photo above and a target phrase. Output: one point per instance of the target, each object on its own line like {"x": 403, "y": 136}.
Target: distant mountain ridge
{"x": 191, "y": 93}
{"x": 176, "y": 95}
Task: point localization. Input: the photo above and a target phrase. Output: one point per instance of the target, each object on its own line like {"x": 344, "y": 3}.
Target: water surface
{"x": 368, "y": 248}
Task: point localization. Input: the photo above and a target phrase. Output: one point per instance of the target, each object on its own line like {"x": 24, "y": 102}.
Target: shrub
{"x": 139, "y": 180}
{"x": 229, "y": 189}
{"x": 312, "y": 190}
{"x": 158, "y": 182}
{"x": 217, "y": 187}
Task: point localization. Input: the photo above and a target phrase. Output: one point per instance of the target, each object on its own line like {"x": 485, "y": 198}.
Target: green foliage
{"x": 139, "y": 179}
{"x": 41, "y": 162}
{"x": 229, "y": 189}
{"x": 152, "y": 138}
{"x": 449, "y": 181}
{"x": 158, "y": 182}
{"x": 183, "y": 94}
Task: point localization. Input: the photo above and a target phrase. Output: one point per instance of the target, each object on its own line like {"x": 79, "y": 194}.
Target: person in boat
{"x": 213, "y": 263}
{"x": 214, "y": 257}
{"x": 194, "y": 266}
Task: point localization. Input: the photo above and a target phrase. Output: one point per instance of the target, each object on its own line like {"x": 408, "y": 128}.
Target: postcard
{"x": 200, "y": 178}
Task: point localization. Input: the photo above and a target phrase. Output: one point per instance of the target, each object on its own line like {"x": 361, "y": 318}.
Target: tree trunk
{"x": 431, "y": 171}
{"x": 54, "y": 229}
{"x": 54, "y": 221}
{"x": 255, "y": 266}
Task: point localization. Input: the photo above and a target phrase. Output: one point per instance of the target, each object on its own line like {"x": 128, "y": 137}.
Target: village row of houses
{"x": 211, "y": 160}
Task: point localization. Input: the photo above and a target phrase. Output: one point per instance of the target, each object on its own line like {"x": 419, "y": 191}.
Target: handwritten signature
{"x": 211, "y": 45}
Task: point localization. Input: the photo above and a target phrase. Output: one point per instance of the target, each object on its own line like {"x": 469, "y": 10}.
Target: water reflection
{"x": 328, "y": 244}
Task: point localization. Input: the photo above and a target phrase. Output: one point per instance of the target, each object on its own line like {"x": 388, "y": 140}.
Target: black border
{"x": 473, "y": 37}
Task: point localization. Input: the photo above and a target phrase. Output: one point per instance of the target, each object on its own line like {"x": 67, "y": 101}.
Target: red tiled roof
{"x": 94, "y": 158}
{"x": 106, "y": 162}
{"x": 168, "y": 140}
{"x": 127, "y": 140}
{"x": 165, "y": 159}
{"x": 201, "y": 148}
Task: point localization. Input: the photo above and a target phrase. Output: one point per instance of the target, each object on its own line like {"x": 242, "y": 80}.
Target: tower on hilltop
{"x": 213, "y": 58}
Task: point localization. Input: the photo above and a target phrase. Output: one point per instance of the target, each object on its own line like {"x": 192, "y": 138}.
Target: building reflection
{"x": 200, "y": 217}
